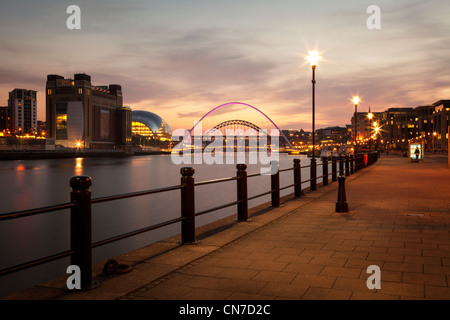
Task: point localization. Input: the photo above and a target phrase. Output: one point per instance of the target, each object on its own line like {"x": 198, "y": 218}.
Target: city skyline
{"x": 181, "y": 60}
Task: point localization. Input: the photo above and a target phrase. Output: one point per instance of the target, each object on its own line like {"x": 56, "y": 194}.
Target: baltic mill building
{"x": 81, "y": 114}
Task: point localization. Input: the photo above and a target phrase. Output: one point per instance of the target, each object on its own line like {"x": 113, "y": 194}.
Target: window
{"x": 61, "y": 121}
{"x": 49, "y": 92}
{"x": 80, "y": 90}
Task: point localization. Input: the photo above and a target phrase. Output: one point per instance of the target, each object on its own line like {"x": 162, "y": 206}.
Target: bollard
{"x": 275, "y": 184}
{"x": 333, "y": 169}
{"x": 325, "y": 171}
{"x": 355, "y": 161}
{"x": 341, "y": 204}
{"x": 313, "y": 175}
{"x": 187, "y": 205}
{"x": 242, "y": 195}
{"x": 81, "y": 229}
{"x": 297, "y": 178}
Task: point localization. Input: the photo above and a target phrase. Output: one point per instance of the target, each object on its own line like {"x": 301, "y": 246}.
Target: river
{"x": 28, "y": 184}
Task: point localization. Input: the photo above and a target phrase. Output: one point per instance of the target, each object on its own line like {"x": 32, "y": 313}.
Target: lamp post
{"x": 313, "y": 58}
{"x": 370, "y": 117}
{"x": 376, "y": 129}
{"x": 434, "y": 135}
{"x": 356, "y": 101}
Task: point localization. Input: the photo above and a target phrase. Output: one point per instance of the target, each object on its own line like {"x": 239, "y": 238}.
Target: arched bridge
{"x": 228, "y": 115}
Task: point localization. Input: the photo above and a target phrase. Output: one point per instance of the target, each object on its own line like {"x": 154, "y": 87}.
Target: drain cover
{"x": 415, "y": 214}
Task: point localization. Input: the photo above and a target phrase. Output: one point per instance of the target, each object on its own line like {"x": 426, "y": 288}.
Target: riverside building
{"x": 79, "y": 114}
{"x": 22, "y": 111}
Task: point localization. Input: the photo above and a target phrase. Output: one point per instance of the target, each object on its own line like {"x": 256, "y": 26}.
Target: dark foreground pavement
{"x": 398, "y": 220}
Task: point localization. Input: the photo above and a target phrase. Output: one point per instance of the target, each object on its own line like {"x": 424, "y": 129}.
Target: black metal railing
{"x": 80, "y": 206}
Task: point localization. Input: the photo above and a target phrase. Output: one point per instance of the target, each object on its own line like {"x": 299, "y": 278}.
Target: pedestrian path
{"x": 398, "y": 220}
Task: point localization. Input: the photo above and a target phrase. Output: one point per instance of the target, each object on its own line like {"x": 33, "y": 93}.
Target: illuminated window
{"x": 141, "y": 129}
{"x": 61, "y": 121}
{"x": 49, "y": 91}
{"x": 80, "y": 90}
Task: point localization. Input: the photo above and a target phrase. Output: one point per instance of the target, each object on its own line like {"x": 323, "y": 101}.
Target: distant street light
{"x": 370, "y": 117}
{"x": 313, "y": 58}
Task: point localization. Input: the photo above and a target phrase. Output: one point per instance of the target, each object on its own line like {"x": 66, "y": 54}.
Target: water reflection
{"x": 78, "y": 166}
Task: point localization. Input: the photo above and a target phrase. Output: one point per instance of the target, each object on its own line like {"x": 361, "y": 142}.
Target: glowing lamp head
{"x": 355, "y": 100}
{"x": 313, "y": 58}
{"x": 370, "y": 115}
{"x": 78, "y": 144}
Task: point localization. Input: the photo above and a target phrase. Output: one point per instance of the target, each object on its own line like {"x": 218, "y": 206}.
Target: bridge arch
{"x": 244, "y": 105}
{"x": 235, "y": 122}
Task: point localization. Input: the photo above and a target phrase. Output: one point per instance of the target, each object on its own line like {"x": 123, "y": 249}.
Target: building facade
{"x": 363, "y": 127}
{"x": 441, "y": 123}
{"x": 333, "y": 135}
{"x": 150, "y": 130}
{"x": 398, "y": 126}
{"x": 5, "y": 119}
{"x": 78, "y": 112}
{"x": 22, "y": 107}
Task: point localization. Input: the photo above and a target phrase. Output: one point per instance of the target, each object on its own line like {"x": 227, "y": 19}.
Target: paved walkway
{"x": 399, "y": 220}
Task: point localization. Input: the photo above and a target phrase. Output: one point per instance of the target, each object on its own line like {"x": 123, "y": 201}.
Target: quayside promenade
{"x": 398, "y": 219}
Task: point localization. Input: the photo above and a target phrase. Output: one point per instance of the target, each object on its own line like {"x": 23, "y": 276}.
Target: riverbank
{"x": 69, "y": 153}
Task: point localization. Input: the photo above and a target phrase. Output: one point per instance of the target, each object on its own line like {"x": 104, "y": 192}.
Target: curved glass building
{"x": 149, "y": 130}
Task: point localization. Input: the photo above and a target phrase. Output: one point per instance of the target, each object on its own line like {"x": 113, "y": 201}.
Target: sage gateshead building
{"x": 80, "y": 114}
{"x": 149, "y": 130}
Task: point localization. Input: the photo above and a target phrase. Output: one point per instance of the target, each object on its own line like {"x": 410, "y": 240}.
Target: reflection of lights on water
{"x": 78, "y": 166}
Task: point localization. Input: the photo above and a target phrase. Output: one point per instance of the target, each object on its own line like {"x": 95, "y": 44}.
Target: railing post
{"x": 81, "y": 229}
{"x": 347, "y": 165}
{"x": 297, "y": 178}
{"x": 313, "y": 175}
{"x": 352, "y": 164}
{"x": 341, "y": 165}
{"x": 325, "y": 171}
{"x": 333, "y": 169}
{"x": 187, "y": 205}
{"x": 275, "y": 184}
{"x": 242, "y": 195}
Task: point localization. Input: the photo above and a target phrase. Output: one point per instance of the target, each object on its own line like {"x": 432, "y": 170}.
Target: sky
{"x": 181, "y": 58}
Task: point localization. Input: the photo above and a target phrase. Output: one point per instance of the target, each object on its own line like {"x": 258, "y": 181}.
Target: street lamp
{"x": 355, "y": 102}
{"x": 313, "y": 58}
{"x": 370, "y": 117}
{"x": 434, "y": 136}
